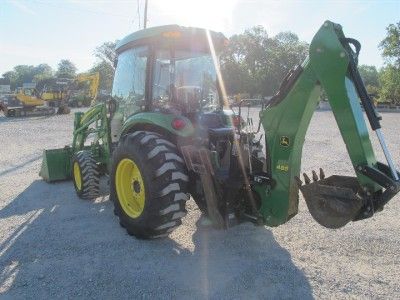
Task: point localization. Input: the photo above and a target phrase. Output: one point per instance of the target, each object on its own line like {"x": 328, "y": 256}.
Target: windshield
{"x": 129, "y": 80}
{"x": 184, "y": 80}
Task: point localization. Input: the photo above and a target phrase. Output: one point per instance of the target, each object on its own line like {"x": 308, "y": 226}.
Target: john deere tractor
{"x": 167, "y": 134}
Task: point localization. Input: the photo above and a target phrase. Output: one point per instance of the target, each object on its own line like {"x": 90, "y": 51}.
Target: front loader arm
{"x": 334, "y": 201}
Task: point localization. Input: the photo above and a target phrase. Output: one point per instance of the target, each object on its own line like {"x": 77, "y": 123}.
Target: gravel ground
{"x": 54, "y": 245}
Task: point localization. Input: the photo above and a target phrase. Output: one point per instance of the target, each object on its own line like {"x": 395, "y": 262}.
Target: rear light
{"x": 178, "y": 124}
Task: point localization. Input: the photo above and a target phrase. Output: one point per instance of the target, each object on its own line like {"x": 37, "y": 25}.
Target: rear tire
{"x": 152, "y": 202}
{"x": 86, "y": 175}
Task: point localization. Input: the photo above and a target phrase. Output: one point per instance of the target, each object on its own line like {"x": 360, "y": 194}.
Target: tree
{"x": 11, "y": 79}
{"x": 43, "y": 70}
{"x": 234, "y": 66}
{"x": 106, "y": 53}
{"x": 390, "y": 84}
{"x": 66, "y": 69}
{"x": 43, "y": 75}
{"x": 369, "y": 74}
{"x": 391, "y": 45}
{"x": 24, "y": 73}
{"x": 254, "y": 63}
{"x": 106, "y": 75}
{"x": 285, "y": 50}
{"x": 107, "y": 58}
{"x": 390, "y": 75}
{"x": 370, "y": 77}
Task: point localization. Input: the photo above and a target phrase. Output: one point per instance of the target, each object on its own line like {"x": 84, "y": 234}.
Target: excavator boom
{"x": 337, "y": 200}
{"x": 94, "y": 81}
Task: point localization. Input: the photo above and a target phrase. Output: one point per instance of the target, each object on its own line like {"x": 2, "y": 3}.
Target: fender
{"x": 160, "y": 120}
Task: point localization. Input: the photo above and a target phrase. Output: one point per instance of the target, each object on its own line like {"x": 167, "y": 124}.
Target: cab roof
{"x": 168, "y": 33}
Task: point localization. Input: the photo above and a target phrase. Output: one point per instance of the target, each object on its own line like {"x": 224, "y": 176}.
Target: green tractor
{"x": 167, "y": 133}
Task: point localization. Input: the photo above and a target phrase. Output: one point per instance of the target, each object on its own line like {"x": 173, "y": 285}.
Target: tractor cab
{"x": 168, "y": 70}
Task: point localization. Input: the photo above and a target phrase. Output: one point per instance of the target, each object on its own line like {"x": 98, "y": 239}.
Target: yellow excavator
{"x": 57, "y": 91}
{"x": 78, "y": 96}
{"x": 30, "y": 102}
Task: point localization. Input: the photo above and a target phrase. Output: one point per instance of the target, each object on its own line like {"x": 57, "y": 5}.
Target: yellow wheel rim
{"x": 130, "y": 187}
{"x": 77, "y": 176}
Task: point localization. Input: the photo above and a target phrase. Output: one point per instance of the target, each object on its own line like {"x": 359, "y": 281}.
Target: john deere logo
{"x": 284, "y": 141}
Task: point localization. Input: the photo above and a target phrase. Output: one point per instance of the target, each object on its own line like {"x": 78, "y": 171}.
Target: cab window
{"x": 184, "y": 80}
{"x": 130, "y": 80}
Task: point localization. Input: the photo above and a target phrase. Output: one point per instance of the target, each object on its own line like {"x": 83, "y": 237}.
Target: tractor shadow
{"x": 244, "y": 262}
{"x": 57, "y": 245}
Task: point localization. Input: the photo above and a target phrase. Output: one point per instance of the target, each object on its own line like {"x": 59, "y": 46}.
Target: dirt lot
{"x": 54, "y": 245}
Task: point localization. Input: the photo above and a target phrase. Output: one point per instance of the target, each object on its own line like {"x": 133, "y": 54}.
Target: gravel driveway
{"x": 54, "y": 245}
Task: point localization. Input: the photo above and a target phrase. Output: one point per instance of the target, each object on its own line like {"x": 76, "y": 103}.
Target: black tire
{"x": 63, "y": 110}
{"x": 164, "y": 176}
{"x": 89, "y": 187}
{"x": 9, "y": 113}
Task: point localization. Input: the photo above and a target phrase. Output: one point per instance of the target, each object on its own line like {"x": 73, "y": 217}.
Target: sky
{"x": 46, "y": 31}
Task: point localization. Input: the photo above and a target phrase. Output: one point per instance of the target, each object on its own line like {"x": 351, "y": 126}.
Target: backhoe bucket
{"x": 56, "y": 164}
{"x": 334, "y": 201}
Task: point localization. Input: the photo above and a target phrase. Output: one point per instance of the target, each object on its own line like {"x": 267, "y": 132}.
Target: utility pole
{"x": 145, "y": 14}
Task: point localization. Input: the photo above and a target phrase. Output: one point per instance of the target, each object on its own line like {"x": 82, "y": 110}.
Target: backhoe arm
{"x": 333, "y": 201}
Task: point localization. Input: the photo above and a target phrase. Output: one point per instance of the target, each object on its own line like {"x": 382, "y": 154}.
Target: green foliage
{"x": 10, "y": 78}
{"x": 390, "y": 84}
{"x": 106, "y": 53}
{"x": 389, "y": 76}
{"x": 373, "y": 91}
{"x": 107, "y": 57}
{"x": 106, "y": 75}
{"x": 254, "y": 63}
{"x": 66, "y": 69}
{"x": 25, "y": 73}
{"x": 369, "y": 75}
{"x": 391, "y": 45}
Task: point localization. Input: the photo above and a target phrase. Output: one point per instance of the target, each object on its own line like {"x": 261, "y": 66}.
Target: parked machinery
{"x": 29, "y": 102}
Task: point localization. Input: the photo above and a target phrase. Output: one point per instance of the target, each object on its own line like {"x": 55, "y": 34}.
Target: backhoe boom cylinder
{"x": 387, "y": 154}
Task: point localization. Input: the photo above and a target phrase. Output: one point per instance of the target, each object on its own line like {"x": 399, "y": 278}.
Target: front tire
{"x": 148, "y": 185}
{"x": 85, "y": 175}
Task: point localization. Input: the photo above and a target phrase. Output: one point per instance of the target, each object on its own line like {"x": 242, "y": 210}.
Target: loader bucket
{"x": 56, "y": 164}
{"x": 334, "y": 201}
